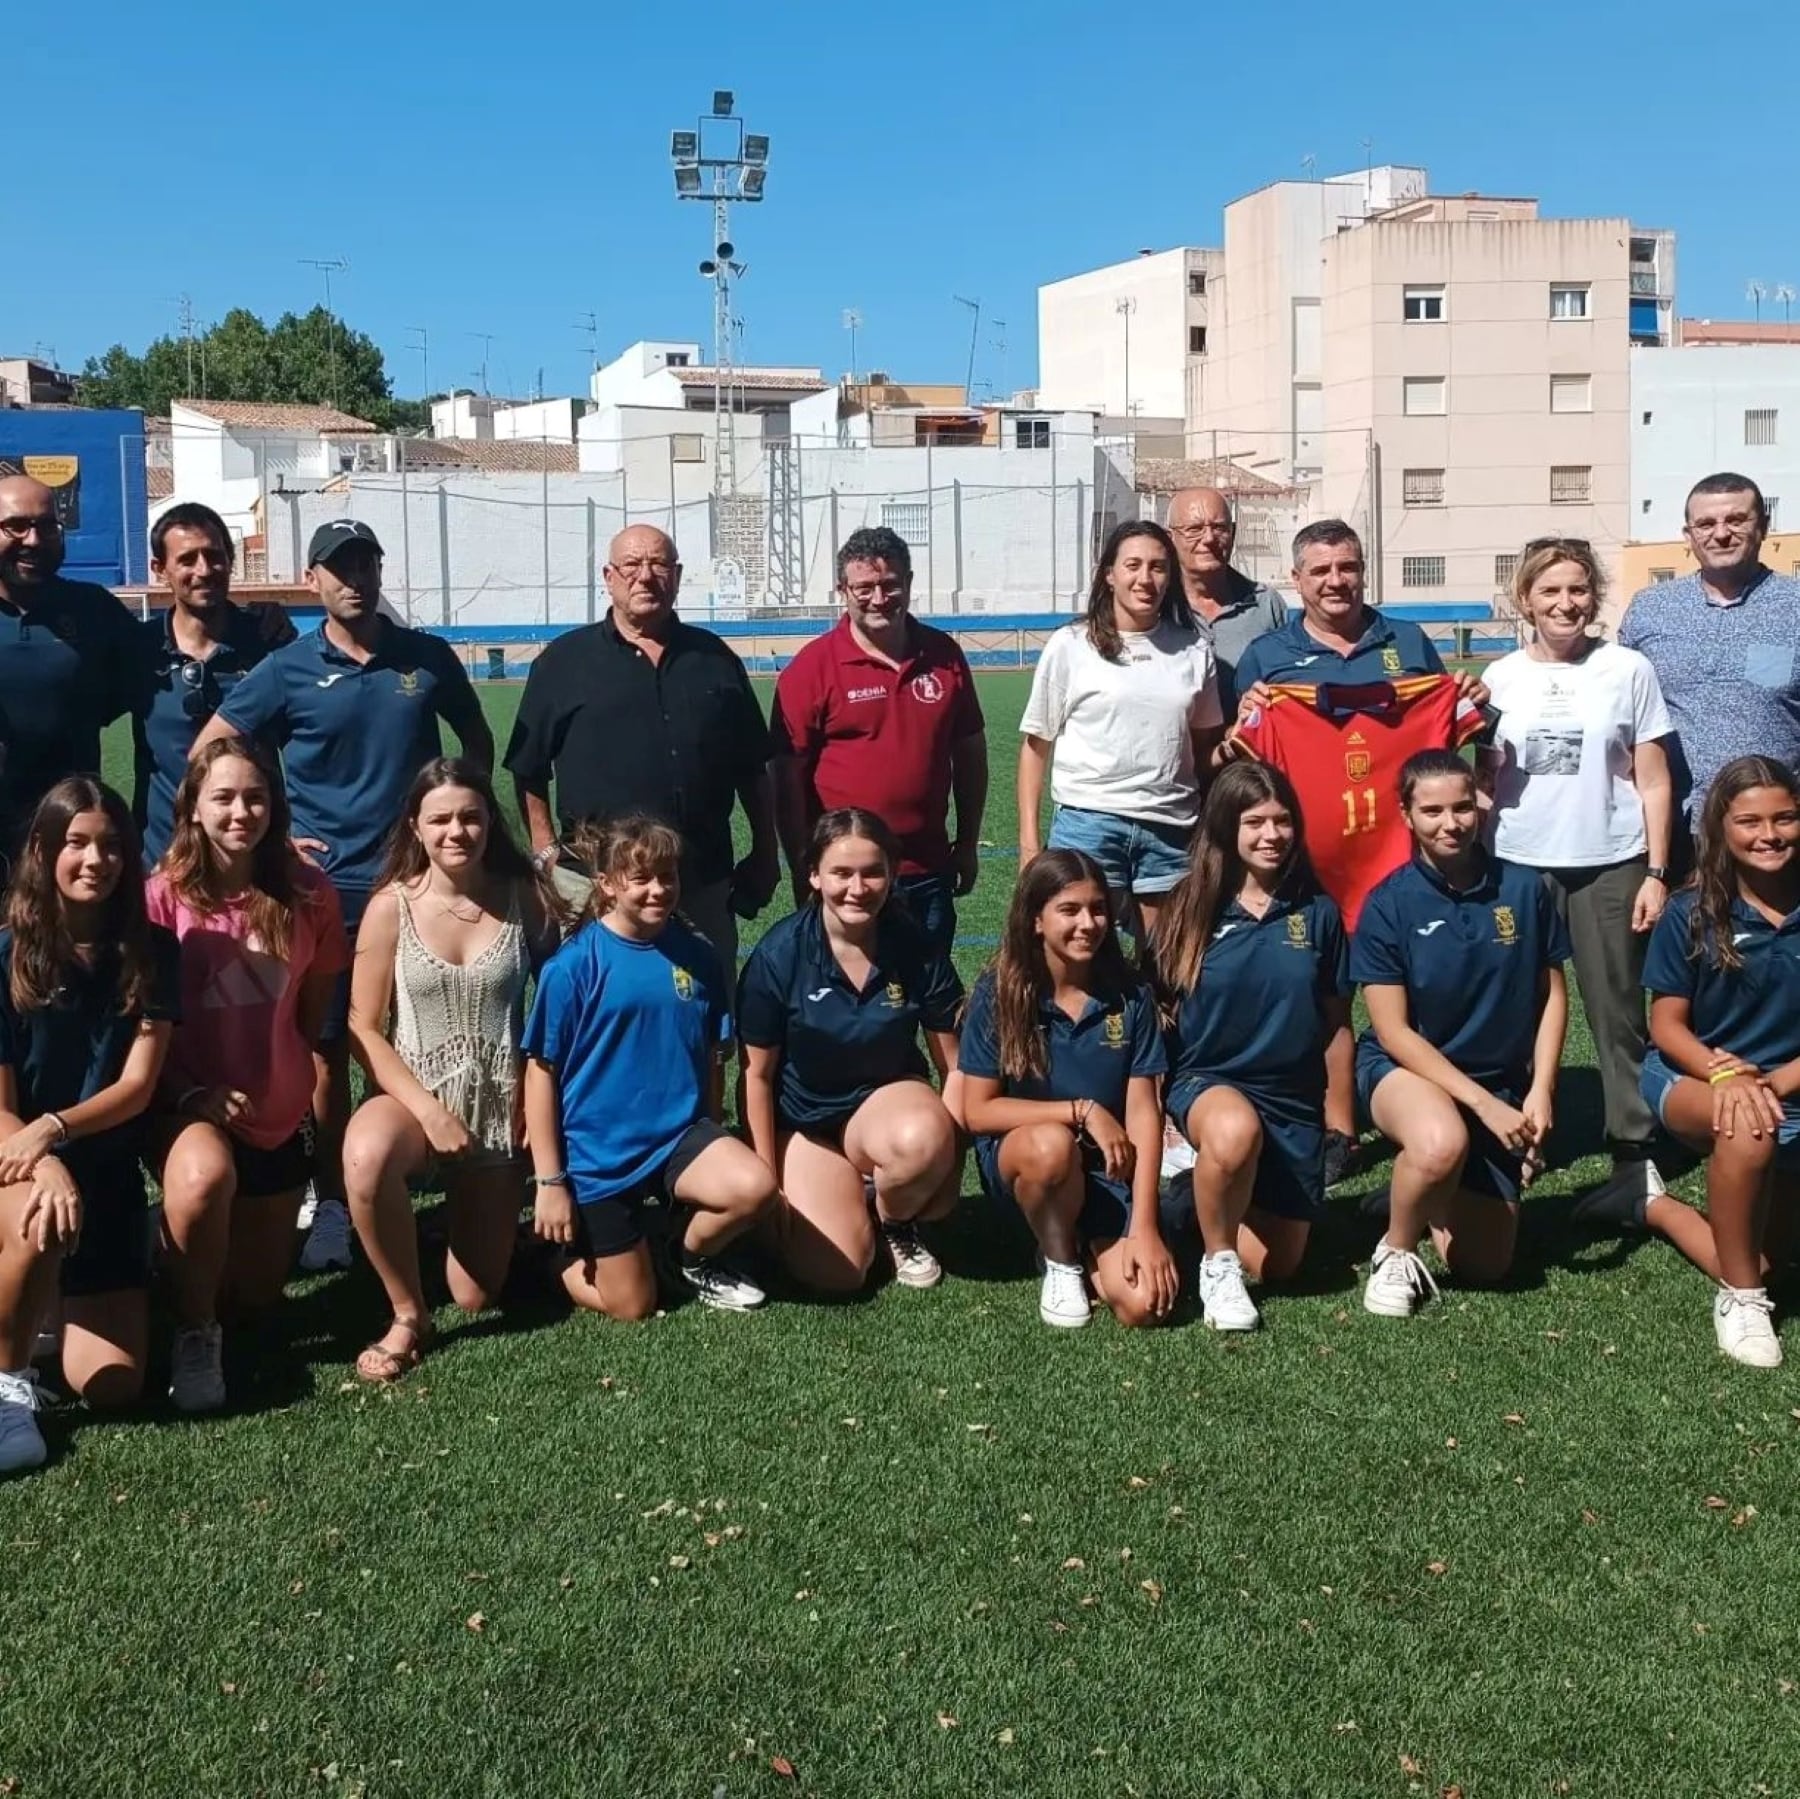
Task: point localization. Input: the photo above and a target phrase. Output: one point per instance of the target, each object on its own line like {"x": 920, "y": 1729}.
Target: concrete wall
{"x": 1696, "y": 399}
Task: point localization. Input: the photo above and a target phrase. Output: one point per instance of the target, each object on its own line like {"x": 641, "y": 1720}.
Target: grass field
{"x": 1536, "y": 1542}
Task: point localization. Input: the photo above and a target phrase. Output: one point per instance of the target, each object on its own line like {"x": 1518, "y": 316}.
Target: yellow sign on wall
{"x": 53, "y": 471}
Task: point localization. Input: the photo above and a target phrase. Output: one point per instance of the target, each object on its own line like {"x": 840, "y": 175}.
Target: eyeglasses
{"x": 196, "y": 701}
{"x": 1579, "y": 544}
{"x": 865, "y": 591}
{"x": 1211, "y": 528}
{"x": 18, "y": 529}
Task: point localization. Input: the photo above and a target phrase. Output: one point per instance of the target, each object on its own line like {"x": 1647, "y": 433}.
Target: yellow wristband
{"x": 1719, "y": 1075}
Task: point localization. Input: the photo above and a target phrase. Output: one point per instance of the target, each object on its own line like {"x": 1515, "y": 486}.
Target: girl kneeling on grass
{"x": 89, "y": 989}
{"x": 1060, "y": 1053}
{"x": 1724, "y": 1074}
{"x": 627, "y": 1039}
{"x": 836, "y": 1097}
{"x": 1459, "y": 956}
{"x": 1250, "y": 956}
{"x": 455, "y": 927}
{"x": 262, "y": 942}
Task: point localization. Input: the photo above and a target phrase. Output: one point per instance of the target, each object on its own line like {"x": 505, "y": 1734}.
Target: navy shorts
{"x": 1490, "y": 1167}
{"x": 1137, "y": 855}
{"x": 112, "y": 1254}
{"x": 614, "y": 1224}
{"x": 931, "y": 900}
{"x": 1658, "y": 1079}
{"x": 1105, "y": 1210}
{"x": 355, "y": 902}
{"x": 1290, "y": 1172}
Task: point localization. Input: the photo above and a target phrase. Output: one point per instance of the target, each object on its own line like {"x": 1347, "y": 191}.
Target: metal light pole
{"x": 1125, "y": 308}
{"x": 718, "y": 161}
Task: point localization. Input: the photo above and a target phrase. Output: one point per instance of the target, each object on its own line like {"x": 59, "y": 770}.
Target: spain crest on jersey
{"x": 684, "y": 983}
{"x": 1358, "y": 760}
{"x": 1112, "y": 1032}
{"x": 1506, "y": 929}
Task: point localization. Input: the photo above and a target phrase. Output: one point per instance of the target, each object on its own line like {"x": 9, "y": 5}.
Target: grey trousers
{"x": 1595, "y": 904}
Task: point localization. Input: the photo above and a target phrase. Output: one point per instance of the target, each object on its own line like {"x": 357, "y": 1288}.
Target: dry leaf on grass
{"x": 1437, "y": 1567}
{"x": 782, "y": 1766}
{"x": 1152, "y": 1590}
{"x": 477, "y": 1622}
{"x": 946, "y": 1721}
{"x": 1410, "y": 1767}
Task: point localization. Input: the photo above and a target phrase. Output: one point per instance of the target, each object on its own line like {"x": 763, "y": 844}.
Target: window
{"x": 1422, "y": 487}
{"x": 1571, "y": 485}
{"x": 687, "y": 446}
{"x": 1770, "y": 503}
{"x": 1662, "y": 574}
{"x": 1571, "y": 393}
{"x": 1421, "y": 571}
{"x": 1196, "y": 340}
{"x": 1646, "y": 418}
{"x": 1759, "y": 426}
{"x": 1196, "y": 281}
{"x": 911, "y": 518}
{"x": 1422, "y": 396}
{"x": 1569, "y": 299}
{"x": 1423, "y": 305}
{"x": 676, "y": 359}
{"x": 1644, "y": 506}
{"x": 1505, "y": 567}
{"x": 1031, "y": 434}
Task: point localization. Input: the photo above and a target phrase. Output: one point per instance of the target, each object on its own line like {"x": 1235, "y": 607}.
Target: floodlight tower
{"x": 721, "y": 162}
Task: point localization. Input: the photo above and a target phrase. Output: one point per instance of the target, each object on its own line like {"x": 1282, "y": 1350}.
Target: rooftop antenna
{"x": 998, "y": 342}
{"x": 1308, "y": 163}
{"x": 589, "y": 327}
{"x": 1754, "y": 293}
{"x": 1785, "y": 294}
{"x": 852, "y": 323}
{"x": 484, "y": 338}
{"x": 974, "y": 307}
{"x": 423, "y": 346}
{"x": 328, "y": 266}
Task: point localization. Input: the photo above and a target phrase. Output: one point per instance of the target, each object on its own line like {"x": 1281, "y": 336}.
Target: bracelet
{"x": 1720, "y": 1075}
{"x": 560, "y": 1179}
{"x": 62, "y": 1130}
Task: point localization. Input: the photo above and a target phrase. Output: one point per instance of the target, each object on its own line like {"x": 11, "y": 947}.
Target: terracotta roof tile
{"x": 498, "y": 455}
{"x": 256, "y": 415}
{"x": 778, "y": 380}
{"x": 1169, "y": 474}
{"x": 159, "y": 483}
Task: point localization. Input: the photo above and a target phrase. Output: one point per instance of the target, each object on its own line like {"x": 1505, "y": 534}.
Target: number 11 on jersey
{"x": 1352, "y": 822}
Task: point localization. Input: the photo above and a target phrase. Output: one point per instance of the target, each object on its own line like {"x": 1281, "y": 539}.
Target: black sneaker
{"x": 1343, "y": 1157}
{"x": 1620, "y": 1202}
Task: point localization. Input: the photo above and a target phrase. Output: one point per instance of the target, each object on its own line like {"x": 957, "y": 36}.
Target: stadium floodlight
{"x": 751, "y": 185}
{"x": 723, "y": 101}
{"x": 684, "y": 146}
{"x": 709, "y": 268}
{"x": 687, "y": 178}
{"x": 725, "y": 250}
{"x": 756, "y": 149}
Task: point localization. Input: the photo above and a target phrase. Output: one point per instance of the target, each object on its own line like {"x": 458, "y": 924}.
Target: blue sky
{"x": 504, "y": 169}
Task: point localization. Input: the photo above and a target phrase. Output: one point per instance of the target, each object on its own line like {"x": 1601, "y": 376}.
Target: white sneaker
{"x": 1063, "y": 1301}
{"x": 1398, "y": 1283}
{"x": 309, "y": 1206}
{"x": 1225, "y": 1302}
{"x": 914, "y": 1264}
{"x": 197, "y": 1369}
{"x": 1744, "y": 1324}
{"x": 21, "y": 1442}
{"x": 717, "y": 1285}
{"x": 327, "y": 1244}
{"x": 1177, "y": 1153}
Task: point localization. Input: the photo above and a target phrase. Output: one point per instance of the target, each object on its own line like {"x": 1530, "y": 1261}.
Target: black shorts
{"x": 112, "y": 1254}
{"x": 262, "y": 1173}
{"x": 614, "y": 1225}
{"x": 354, "y": 902}
{"x": 828, "y": 1133}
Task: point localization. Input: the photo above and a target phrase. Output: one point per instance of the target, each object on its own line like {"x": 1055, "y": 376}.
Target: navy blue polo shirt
{"x": 1387, "y": 647}
{"x": 180, "y": 693}
{"x": 1255, "y": 1020}
{"x": 1469, "y": 962}
{"x": 354, "y": 734}
{"x": 76, "y": 1046}
{"x": 1753, "y": 1011}
{"x": 1092, "y": 1057}
{"x": 70, "y": 663}
{"x": 838, "y": 1045}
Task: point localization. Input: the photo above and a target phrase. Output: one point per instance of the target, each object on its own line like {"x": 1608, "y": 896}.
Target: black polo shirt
{"x": 70, "y": 663}
{"x": 619, "y": 733}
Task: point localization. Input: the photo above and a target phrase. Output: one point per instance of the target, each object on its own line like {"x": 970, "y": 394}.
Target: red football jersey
{"x": 1343, "y": 748}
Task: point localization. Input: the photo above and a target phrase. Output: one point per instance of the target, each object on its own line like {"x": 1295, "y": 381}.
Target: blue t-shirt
{"x": 1730, "y": 675}
{"x": 1255, "y": 1019}
{"x": 354, "y": 734}
{"x": 178, "y": 696}
{"x": 1387, "y": 647}
{"x": 631, "y": 1030}
{"x": 839, "y": 1045}
{"x": 1469, "y": 961}
{"x": 76, "y": 1046}
{"x": 1092, "y": 1057}
{"x": 1753, "y": 1011}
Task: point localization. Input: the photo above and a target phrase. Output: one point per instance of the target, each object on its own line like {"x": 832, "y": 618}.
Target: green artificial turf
{"x": 1536, "y": 1542}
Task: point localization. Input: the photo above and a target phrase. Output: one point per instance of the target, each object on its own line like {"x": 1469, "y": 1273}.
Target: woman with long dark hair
{"x": 1723, "y": 1074}
{"x": 1060, "y": 1054}
{"x": 456, "y": 926}
{"x": 89, "y": 989}
{"x": 1250, "y": 957}
{"x": 1123, "y": 716}
{"x": 262, "y": 942}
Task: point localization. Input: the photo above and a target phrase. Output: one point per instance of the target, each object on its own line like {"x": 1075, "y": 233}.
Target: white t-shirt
{"x": 1564, "y": 796}
{"x": 1123, "y": 730}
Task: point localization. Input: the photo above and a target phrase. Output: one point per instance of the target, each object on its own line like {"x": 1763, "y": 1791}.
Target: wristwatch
{"x": 1658, "y": 873}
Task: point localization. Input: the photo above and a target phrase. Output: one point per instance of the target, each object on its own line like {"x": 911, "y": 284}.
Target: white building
{"x": 1696, "y": 410}
{"x": 480, "y": 418}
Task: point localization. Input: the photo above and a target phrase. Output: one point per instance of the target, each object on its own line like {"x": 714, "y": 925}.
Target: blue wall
{"x": 95, "y": 462}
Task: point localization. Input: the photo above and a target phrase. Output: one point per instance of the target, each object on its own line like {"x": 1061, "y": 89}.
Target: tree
{"x": 310, "y": 358}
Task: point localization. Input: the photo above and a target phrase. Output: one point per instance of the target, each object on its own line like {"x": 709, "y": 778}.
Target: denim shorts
{"x": 1658, "y": 1080}
{"x": 1137, "y": 855}
{"x": 1490, "y": 1168}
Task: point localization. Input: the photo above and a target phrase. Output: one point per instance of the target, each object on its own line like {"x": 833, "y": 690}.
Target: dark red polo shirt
{"x": 881, "y": 737}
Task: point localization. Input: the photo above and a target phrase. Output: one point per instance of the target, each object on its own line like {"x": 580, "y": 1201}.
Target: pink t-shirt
{"x": 239, "y": 1003}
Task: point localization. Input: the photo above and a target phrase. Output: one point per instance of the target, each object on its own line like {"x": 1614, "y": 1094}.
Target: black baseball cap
{"x": 336, "y": 534}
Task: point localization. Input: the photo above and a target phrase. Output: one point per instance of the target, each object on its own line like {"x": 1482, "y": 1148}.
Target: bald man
{"x": 1234, "y": 608}
{"x": 71, "y": 659}
{"x": 644, "y": 713}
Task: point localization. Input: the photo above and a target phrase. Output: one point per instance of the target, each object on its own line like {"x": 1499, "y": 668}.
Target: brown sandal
{"x": 381, "y": 1366}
